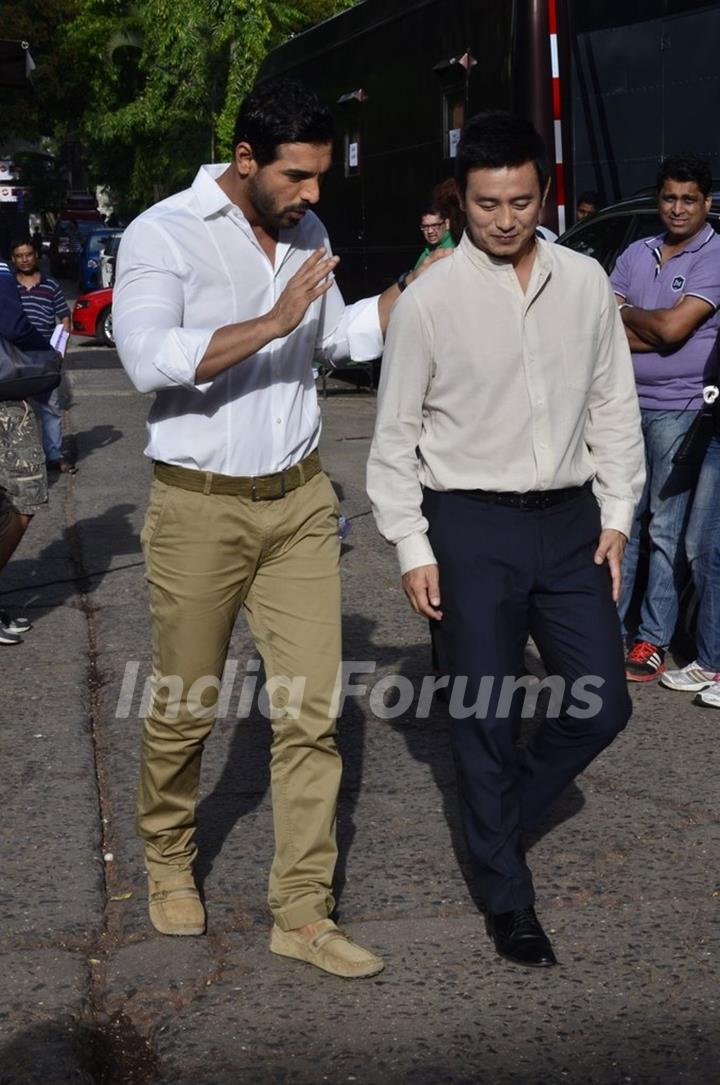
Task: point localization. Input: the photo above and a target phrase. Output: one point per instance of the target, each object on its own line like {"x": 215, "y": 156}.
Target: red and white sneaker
{"x": 644, "y": 662}
{"x": 690, "y": 679}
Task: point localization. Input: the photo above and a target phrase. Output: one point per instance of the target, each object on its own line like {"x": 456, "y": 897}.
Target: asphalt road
{"x": 627, "y": 873}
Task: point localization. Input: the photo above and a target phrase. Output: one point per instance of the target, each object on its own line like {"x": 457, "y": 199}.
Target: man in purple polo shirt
{"x": 668, "y": 288}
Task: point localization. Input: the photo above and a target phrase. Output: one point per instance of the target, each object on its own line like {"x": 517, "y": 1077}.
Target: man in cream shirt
{"x": 224, "y": 296}
{"x": 505, "y": 467}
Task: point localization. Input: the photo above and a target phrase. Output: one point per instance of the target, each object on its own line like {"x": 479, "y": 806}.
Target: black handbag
{"x": 691, "y": 450}
{"x": 26, "y": 373}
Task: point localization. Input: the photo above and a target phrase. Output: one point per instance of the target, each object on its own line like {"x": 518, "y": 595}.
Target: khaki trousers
{"x": 206, "y": 556}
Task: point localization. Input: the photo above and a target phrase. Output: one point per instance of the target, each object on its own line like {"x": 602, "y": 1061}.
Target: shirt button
{"x": 278, "y": 421}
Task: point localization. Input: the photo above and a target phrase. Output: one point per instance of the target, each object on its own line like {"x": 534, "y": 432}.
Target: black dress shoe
{"x": 519, "y": 937}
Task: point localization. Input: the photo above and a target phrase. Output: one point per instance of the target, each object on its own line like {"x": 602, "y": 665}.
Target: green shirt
{"x": 445, "y": 242}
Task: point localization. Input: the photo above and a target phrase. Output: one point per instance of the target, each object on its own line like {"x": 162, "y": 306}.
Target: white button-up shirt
{"x": 192, "y": 264}
{"x": 504, "y": 390}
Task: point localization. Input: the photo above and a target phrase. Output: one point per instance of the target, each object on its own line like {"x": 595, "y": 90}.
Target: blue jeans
{"x": 703, "y": 550}
{"x": 50, "y": 416}
{"x": 666, "y": 499}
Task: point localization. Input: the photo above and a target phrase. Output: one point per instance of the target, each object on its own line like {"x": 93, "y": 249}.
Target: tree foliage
{"x": 151, "y": 87}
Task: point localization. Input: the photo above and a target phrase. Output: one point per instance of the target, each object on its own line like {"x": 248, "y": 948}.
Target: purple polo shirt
{"x": 674, "y": 381}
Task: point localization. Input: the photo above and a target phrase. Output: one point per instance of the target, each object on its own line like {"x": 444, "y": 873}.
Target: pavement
{"x": 626, "y": 871}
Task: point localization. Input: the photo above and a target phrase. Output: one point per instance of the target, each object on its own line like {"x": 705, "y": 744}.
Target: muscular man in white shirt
{"x": 507, "y": 369}
{"x": 224, "y": 295}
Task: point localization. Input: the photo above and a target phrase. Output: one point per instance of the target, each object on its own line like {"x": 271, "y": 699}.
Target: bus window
{"x": 454, "y": 106}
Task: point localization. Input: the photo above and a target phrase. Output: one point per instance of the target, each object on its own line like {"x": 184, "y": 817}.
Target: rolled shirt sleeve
{"x": 356, "y": 335}
{"x": 155, "y": 349}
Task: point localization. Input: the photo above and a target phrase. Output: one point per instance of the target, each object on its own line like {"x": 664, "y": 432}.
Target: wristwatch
{"x": 402, "y": 281}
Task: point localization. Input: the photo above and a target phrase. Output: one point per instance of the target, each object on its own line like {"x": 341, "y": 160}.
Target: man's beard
{"x": 271, "y": 216}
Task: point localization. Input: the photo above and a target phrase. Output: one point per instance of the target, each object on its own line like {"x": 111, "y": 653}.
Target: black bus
{"x": 612, "y": 86}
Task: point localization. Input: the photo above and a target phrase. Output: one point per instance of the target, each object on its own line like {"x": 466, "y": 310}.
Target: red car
{"x": 92, "y": 315}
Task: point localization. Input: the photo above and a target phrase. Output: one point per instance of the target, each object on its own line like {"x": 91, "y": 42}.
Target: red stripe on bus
{"x": 557, "y": 110}
{"x": 560, "y": 182}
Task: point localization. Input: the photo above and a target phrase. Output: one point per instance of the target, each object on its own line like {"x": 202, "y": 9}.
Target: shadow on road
{"x": 428, "y": 741}
{"x": 75, "y": 562}
{"x": 83, "y": 444}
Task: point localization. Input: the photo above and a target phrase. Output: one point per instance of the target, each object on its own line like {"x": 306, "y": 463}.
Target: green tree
{"x": 165, "y": 94}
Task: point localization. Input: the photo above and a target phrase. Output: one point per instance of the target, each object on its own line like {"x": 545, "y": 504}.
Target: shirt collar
{"x": 695, "y": 243}
{"x": 41, "y": 280}
{"x": 486, "y": 262}
{"x": 210, "y": 197}
{"x": 213, "y": 201}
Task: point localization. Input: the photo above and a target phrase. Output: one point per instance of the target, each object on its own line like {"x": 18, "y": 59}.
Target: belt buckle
{"x": 270, "y": 497}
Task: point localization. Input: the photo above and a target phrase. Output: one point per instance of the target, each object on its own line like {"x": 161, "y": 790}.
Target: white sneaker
{"x": 710, "y": 697}
{"x": 14, "y": 624}
{"x": 690, "y": 679}
{"x": 8, "y": 637}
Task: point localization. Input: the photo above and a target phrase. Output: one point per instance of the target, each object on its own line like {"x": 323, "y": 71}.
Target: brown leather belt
{"x": 258, "y": 487}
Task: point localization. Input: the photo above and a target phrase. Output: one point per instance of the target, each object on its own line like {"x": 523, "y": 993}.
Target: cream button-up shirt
{"x": 191, "y": 264}
{"x": 486, "y": 387}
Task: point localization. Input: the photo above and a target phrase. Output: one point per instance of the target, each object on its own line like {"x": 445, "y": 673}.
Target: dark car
{"x": 609, "y": 232}
{"x": 66, "y": 245}
{"x": 98, "y": 241}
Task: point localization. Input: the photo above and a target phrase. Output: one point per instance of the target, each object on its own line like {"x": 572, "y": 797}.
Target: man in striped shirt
{"x": 45, "y": 307}
{"x": 23, "y": 482}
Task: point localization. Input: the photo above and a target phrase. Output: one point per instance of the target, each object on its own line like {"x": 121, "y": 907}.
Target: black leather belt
{"x": 258, "y": 488}
{"x": 530, "y": 499}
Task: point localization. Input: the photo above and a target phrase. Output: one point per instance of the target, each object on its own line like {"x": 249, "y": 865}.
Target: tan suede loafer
{"x": 175, "y": 906}
{"x": 329, "y": 949}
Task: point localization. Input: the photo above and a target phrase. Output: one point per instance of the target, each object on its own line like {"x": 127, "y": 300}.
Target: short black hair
{"x": 494, "y": 139}
{"x": 18, "y": 241}
{"x": 590, "y": 196}
{"x": 282, "y": 111}
{"x": 686, "y": 167}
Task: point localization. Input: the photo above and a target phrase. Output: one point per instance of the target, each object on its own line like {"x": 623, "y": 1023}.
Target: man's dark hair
{"x": 590, "y": 196}
{"x": 686, "y": 167}
{"x": 494, "y": 139}
{"x": 282, "y": 111}
{"x": 18, "y": 241}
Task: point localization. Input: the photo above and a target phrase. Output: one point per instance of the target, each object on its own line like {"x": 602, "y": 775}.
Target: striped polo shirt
{"x": 44, "y": 305}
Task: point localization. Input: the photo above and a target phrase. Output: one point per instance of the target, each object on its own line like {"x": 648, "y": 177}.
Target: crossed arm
{"x": 663, "y": 330}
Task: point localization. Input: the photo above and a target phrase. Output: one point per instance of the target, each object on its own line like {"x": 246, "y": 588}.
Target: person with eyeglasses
{"x": 435, "y": 229}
